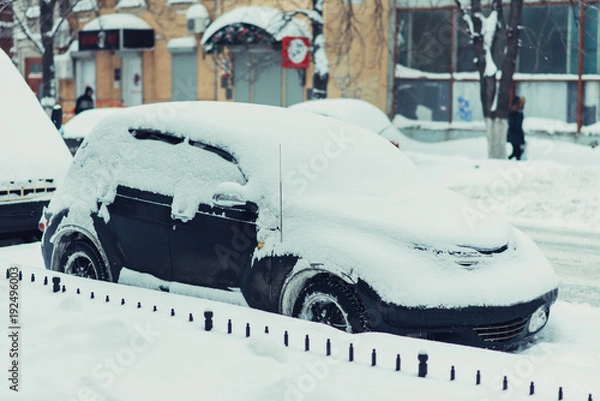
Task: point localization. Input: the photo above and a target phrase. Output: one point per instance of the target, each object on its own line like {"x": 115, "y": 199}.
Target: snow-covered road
{"x": 575, "y": 256}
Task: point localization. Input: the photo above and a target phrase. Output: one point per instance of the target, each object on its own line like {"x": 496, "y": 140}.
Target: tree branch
{"x": 28, "y": 33}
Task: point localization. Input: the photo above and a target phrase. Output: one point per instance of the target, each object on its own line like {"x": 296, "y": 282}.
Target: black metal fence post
{"x": 423, "y": 363}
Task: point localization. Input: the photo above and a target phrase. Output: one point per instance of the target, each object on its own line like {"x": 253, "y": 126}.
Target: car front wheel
{"x": 83, "y": 260}
{"x": 333, "y": 302}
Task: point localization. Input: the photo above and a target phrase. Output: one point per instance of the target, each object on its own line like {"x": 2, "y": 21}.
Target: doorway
{"x": 131, "y": 80}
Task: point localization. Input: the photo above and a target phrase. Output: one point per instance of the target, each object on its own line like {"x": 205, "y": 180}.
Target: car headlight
{"x": 538, "y": 319}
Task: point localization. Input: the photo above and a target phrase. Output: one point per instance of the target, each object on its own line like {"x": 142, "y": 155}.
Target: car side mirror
{"x": 231, "y": 195}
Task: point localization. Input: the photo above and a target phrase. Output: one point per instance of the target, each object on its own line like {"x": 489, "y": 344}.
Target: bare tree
{"x": 50, "y": 21}
{"x": 486, "y": 34}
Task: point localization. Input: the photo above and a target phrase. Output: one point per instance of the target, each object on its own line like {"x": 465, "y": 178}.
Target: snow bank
{"x": 74, "y": 347}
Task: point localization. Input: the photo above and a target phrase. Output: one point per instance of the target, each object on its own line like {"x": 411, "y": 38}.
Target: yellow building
{"x": 144, "y": 51}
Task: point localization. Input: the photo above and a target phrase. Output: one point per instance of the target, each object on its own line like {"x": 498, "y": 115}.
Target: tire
{"x": 333, "y": 302}
{"x": 82, "y": 259}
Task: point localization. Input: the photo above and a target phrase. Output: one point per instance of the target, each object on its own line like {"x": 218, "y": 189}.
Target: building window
{"x": 426, "y": 100}
{"x": 545, "y": 39}
{"x": 590, "y": 40}
{"x": 425, "y": 40}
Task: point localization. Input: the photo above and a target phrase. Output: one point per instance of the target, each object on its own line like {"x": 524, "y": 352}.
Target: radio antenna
{"x": 280, "y": 199}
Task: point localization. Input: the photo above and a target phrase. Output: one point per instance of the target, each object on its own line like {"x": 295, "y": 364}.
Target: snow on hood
{"x": 351, "y": 200}
{"x": 30, "y": 145}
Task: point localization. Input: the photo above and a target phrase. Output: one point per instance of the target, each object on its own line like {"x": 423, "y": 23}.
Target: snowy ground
{"x": 76, "y": 348}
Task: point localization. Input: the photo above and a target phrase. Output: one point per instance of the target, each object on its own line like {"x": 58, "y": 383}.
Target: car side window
{"x": 187, "y": 170}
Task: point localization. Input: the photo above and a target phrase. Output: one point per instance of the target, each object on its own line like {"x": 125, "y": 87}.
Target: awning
{"x": 251, "y": 25}
{"x": 185, "y": 44}
{"x": 116, "y": 32}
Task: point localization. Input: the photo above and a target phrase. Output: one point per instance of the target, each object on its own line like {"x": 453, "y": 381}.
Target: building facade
{"x": 558, "y": 66}
{"x": 144, "y": 51}
{"x": 6, "y": 25}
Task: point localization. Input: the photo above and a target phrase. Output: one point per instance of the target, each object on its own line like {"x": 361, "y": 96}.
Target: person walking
{"x": 85, "y": 101}
{"x": 516, "y": 135}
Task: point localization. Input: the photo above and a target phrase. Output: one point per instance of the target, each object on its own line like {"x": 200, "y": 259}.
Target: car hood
{"x": 428, "y": 217}
{"x": 424, "y": 248}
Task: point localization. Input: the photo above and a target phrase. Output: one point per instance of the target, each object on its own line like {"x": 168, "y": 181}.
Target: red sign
{"x": 295, "y": 52}
{"x": 108, "y": 39}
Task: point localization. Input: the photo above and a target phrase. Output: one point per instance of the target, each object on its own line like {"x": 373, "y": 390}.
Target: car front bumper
{"x": 494, "y": 327}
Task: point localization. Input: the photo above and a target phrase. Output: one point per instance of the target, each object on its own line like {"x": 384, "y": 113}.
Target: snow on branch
{"x": 312, "y": 15}
{"x": 28, "y": 33}
{"x": 466, "y": 16}
{"x": 488, "y": 31}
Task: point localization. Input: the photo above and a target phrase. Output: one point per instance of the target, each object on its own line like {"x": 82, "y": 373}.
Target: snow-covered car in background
{"x": 358, "y": 112}
{"x": 294, "y": 213}
{"x": 77, "y": 128}
{"x": 33, "y": 157}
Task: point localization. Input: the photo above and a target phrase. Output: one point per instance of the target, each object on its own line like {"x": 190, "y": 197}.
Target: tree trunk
{"x": 495, "y": 129}
{"x": 48, "y": 89}
{"x": 495, "y": 95}
{"x": 321, "y": 65}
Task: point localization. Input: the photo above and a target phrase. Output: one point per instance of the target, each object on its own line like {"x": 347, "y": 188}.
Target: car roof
{"x": 354, "y": 111}
{"x": 81, "y": 124}
{"x": 256, "y": 136}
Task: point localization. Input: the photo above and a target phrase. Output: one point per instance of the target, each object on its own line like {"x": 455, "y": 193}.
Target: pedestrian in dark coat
{"x": 85, "y": 101}
{"x": 516, "y": 135}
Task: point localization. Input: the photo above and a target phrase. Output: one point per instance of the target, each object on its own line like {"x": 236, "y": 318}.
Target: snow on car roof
{"x": 350, "y": 200}
{"x": 30, "y": 145}
{"x": 354, "y": 111}
{"x": 80, "y": 125}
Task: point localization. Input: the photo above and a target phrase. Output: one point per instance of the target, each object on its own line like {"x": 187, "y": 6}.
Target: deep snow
{"x": 77, "y": 348}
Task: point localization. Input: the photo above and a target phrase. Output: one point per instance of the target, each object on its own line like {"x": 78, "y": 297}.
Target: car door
{"x": 140, "y": 224}
{"x": 212, "y": 246}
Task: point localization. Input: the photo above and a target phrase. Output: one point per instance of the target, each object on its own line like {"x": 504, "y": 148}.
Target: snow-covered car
{"x": 358, "y": 112}
{"x": 294, "y": 213}
{"x": 33, "y": 157}
{"x": 77, "y": 128}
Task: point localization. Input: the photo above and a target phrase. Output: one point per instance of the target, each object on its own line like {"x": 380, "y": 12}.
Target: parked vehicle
{"x": 33, "y": 158}
{"x": 77, "y": 128}
{"x": 294, "y": 213}
{"x": 358, "y": 112}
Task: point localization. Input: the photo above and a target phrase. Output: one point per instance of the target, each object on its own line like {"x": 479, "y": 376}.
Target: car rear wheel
{"x": 333, "y": 302}
{"x": 83, "y": 260}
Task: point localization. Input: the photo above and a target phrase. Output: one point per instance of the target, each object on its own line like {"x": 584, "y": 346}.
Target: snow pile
{"x": 30, "y": 145}
{"x": 74, "y": 347}
{"x": 345, "y": 191}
